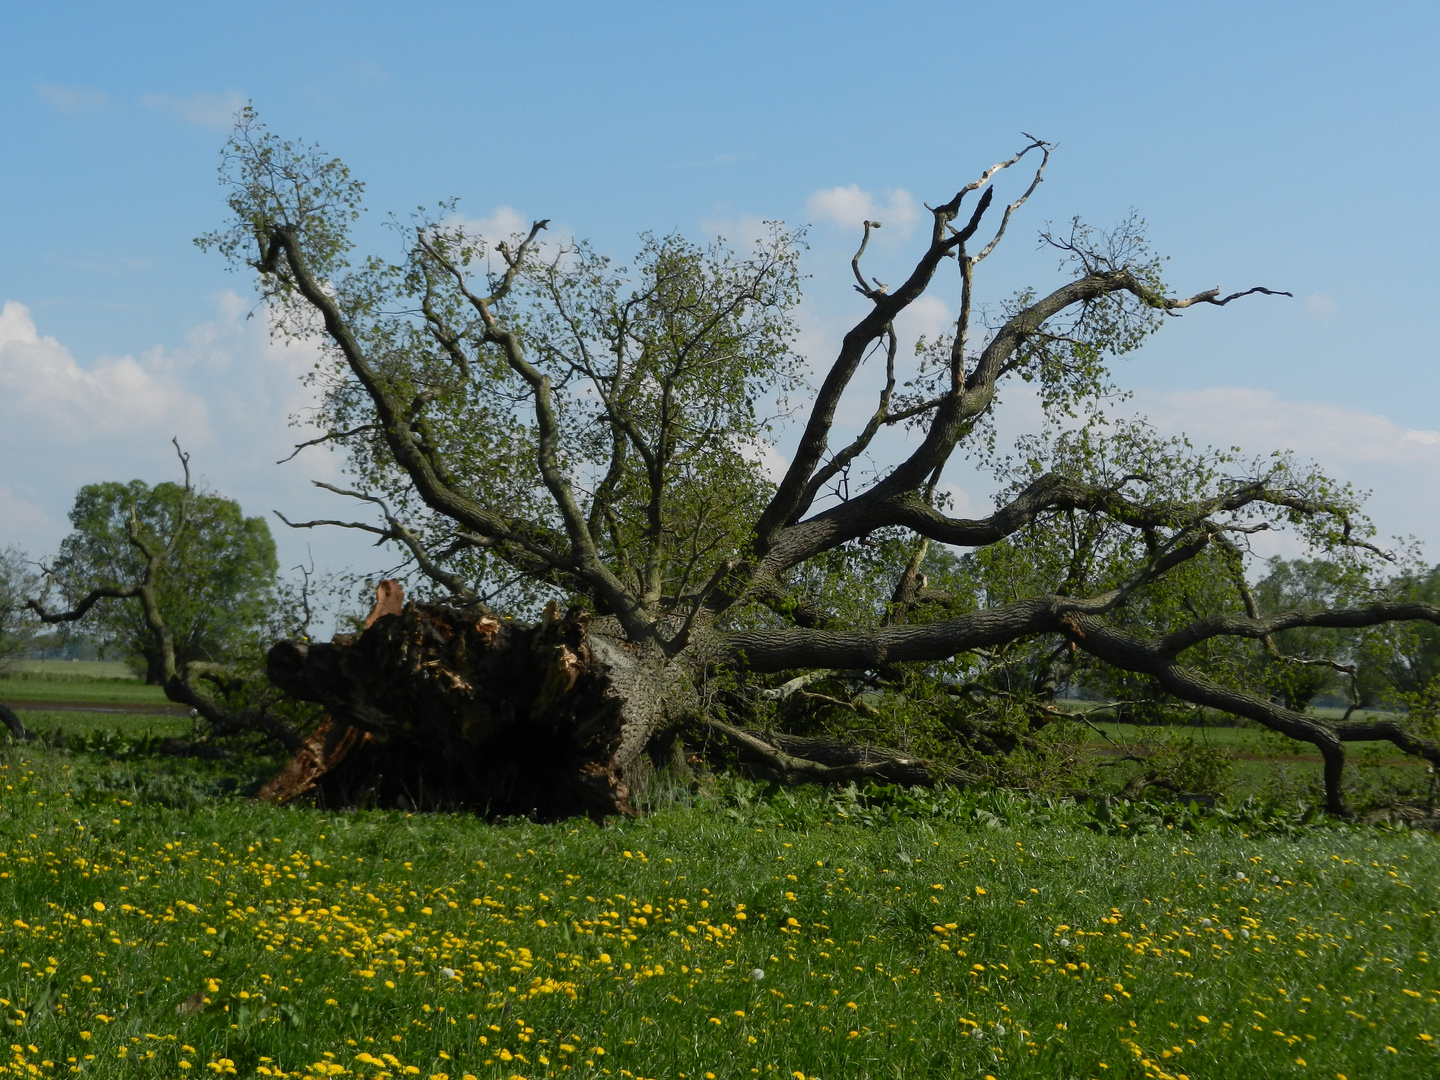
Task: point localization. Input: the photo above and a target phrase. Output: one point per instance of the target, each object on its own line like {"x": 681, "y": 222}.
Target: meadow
{"x": 99, "y": 683}
{"x": 154, "y": 922}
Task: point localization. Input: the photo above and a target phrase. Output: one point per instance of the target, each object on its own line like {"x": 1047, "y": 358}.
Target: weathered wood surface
{"x": 438, "y": 707}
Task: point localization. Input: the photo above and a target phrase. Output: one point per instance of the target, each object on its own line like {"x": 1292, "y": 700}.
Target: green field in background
{"x": 86, "y": 690}
{"x": 80, "y": 669}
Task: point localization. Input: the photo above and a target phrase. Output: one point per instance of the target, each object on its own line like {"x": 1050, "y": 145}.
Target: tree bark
{"x": 12, "y": 723}
{"x": 440, "y": 707}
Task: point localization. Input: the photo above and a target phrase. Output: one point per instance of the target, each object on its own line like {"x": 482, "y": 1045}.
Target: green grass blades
{"x": 70, "y": 670}
{"x": 739, "y": 937}
{"x": 123, "y": 692}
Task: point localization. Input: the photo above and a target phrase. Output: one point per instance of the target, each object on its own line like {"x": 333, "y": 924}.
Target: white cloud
{"x": 740, "y": 231}
{"x": 1399, "y": 465}
{"x": 964, "y": 505}
{"x": 850, "y": 207}
{"x": 928, "y": 317}
{"x": 1321, "y": 306}
{"x": 75, "y": 100}
{"x": 214, "y": 112}
{"x": 20, "y": 513}
{"x": 504, "y": 223}
{"x": 773, "y": 463}
{"x": 41, "y": 381}
{"x": 228, "y": 391}
{"x": 1262, "y": 420}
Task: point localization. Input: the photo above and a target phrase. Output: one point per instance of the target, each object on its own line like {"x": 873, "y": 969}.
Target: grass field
{"x": 155, "y": 924}
{"x": 87, "y": 690}
{"x": 73, "y": 669}
{"x": 1267, "y": 766}
{"x": 1243, "y": 739}
{"x": 61, "y": 725}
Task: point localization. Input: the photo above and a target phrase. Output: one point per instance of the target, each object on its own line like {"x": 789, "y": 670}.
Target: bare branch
{"x": 1045, "y": 149}
{"x": 519, "y": 542}
{"x": 329, "y": 436}
{"x": 93, "y": 597}
{"x": 952, "y": 208}
{"x": 396, "y": 531}
{"x": 514, "y": 261}
{"x": 795, "y": 685}
{"x": 864, "y": 288}
{"x": 788, "y": 502}
{"x": 384, "y": 534}
{"x": 1237, "y": 626}
{"x": 792, "y": 769}
{"x": 1212, "y": 296}
{"x": 842, "y": 460}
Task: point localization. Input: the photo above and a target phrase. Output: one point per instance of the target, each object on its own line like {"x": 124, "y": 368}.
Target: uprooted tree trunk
{"x": 434, "y": 706}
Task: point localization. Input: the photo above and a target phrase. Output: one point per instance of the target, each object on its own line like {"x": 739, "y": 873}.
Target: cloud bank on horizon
{"x": 233, "y": 397}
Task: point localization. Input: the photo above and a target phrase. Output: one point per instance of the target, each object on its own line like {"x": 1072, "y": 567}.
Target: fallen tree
{"x": 533, "y": 427}
{"x": 435, "y": 706}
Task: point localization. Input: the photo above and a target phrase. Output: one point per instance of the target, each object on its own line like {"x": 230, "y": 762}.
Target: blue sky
{"x": 1291, "y": 145}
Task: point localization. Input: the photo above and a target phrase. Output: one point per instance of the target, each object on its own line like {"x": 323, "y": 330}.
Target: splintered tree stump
{"x": 435, "y": 707}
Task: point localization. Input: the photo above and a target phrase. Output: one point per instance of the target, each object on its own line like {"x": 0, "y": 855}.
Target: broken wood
{"x": 434, "y": 706}
{"x": 790, "y": 759}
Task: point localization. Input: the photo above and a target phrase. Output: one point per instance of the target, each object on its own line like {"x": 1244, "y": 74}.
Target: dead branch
{"x": 799, "y": 770}
{"x": 329, "y": 436}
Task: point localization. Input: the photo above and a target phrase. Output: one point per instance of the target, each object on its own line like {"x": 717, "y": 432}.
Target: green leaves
{"x": 18, "y": 583}
{"x": 214, "y": 592}
{"x": 276, "y": 185}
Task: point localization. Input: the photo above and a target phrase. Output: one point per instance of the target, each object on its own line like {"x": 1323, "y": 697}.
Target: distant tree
{"x": 213, "y": 593}
{"x": 18, "y": 582}
{"x": 1416, "y": 662}
{"x": 141, "y": 557}
{"x": 1298, "y": 665}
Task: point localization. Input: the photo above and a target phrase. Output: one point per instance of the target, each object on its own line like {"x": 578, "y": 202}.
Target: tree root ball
{"x": 437, "y": 707}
